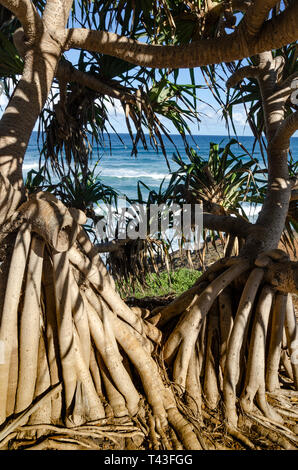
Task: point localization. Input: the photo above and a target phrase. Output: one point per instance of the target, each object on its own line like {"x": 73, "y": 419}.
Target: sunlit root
{"x": 105, "y": 289}
{"x": 43, "y": 383}
{"x": 188, "y": 298}
{"x": 227, "y": 341}
{"x": 278, "y": 319}
{"x": 193, "y": 385}
{"x": 225, "y": 323}
{"x": 50, "y": 219}
{"x": 104, "y": 339}
{"x": 9, "y": 319}
{"x": 184, "y": 429}
{"x": 93, "y": 408}
{"x": 255, "y": 376}
{"x": 65, "y": 330}
{"x": 239, "y": 332}
{"x": 52, "y": 338}
{"x": 186, "y": 332}
{"x": 292, "y": 337}
{"x": 211, "y": 378}
{"x": 63, "y": 322}
{"x": 30, "y": 328}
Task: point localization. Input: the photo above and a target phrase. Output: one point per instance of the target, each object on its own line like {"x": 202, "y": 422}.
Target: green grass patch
{"x": 174, "y": 282}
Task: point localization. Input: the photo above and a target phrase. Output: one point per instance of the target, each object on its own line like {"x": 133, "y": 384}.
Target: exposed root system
{"x": 82, "y": 370}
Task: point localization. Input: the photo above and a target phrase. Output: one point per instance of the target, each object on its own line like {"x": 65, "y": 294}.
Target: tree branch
{"x": 274, "y": 33}
{"x": 28, "y": 16}
{"x": 66, "y": 71}
{"x": 41, "y": 54}
{"x": 286, "y": 87}
{"x": 241, "y": 5}
{"x": 111, "y": 246}
{"x": 56, "y": 13}
{"x": 281, "y": 140}
{"x": 249, "y": 71}
{"x": 256, "y": 14}
{"x": 268, "y": 73}
{"x": 227, "y": 224}
{"x": 283, "y": 276}
{"x": 276, "y": 204}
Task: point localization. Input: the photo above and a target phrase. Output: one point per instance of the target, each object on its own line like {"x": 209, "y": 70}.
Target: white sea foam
{"x": 30, "y": 166}
{"x": 124, "y": 173}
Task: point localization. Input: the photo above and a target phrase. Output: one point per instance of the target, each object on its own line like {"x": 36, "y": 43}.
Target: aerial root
{"x": 86, "y": 434}
{"x": 163, "y": 315}
{"x": 226, "y": 322}
{"x": 184, "y": 429}
{"x": 255, "y": 376}
{"x": 184, "y": 335}
{"x": 193, "y": 386}
{"x": 63, "y": 323}
{"x": 291, "y": 330}
{"x": 9, "y": 319}
{"x": 269, "y": 430}
{"x": 239, "y": 436}
{"x": 235, "y": 350}
{"x": 230, "y": 341}
{"x": 29, "y": 336}
{"x": 211, "y": 377}
{"x": 276, "y": 335}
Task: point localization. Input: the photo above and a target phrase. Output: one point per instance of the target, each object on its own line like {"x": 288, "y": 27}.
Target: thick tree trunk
{"x": 25, "y": 106}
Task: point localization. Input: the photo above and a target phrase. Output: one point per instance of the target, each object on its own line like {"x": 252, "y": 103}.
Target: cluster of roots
{"x": 80, "y": 369}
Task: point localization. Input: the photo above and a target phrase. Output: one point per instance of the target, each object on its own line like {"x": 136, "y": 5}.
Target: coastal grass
{"x": 165, "y": 283}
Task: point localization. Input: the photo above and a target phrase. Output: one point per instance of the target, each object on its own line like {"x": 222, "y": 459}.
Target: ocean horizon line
{"x": 231, "y": 136}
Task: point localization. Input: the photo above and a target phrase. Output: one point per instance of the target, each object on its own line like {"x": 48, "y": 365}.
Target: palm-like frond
{"x": 223, "y": 182}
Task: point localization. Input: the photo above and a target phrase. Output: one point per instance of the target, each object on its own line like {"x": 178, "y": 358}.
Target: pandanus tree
{"x": 222, "y": 183}
{"x": 75, "y": 359}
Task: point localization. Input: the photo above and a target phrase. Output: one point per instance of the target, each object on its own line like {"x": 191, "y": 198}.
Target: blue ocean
{"x": 119, "y": 169}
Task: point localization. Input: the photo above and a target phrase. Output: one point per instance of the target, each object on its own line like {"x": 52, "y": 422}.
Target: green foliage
{"x": 174, "y": 282}
{"x": 222, "y": 180}
{"x": 75, "y": 190}
{"x": 150, "y": 94}
{"x": 10, "y": 62}
{"x": 85, "y": 192}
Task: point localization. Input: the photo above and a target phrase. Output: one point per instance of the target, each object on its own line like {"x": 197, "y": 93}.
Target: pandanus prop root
{"x": 70, "y": 347}
{"x": 232, "y": 343}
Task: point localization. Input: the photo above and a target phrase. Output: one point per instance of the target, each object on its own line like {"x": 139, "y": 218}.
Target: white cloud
{"x": 3, "y": 101}
{"x": 240, "y": 118}
{"x": 3, "y": 98}
{"x": 114, "y": 107}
